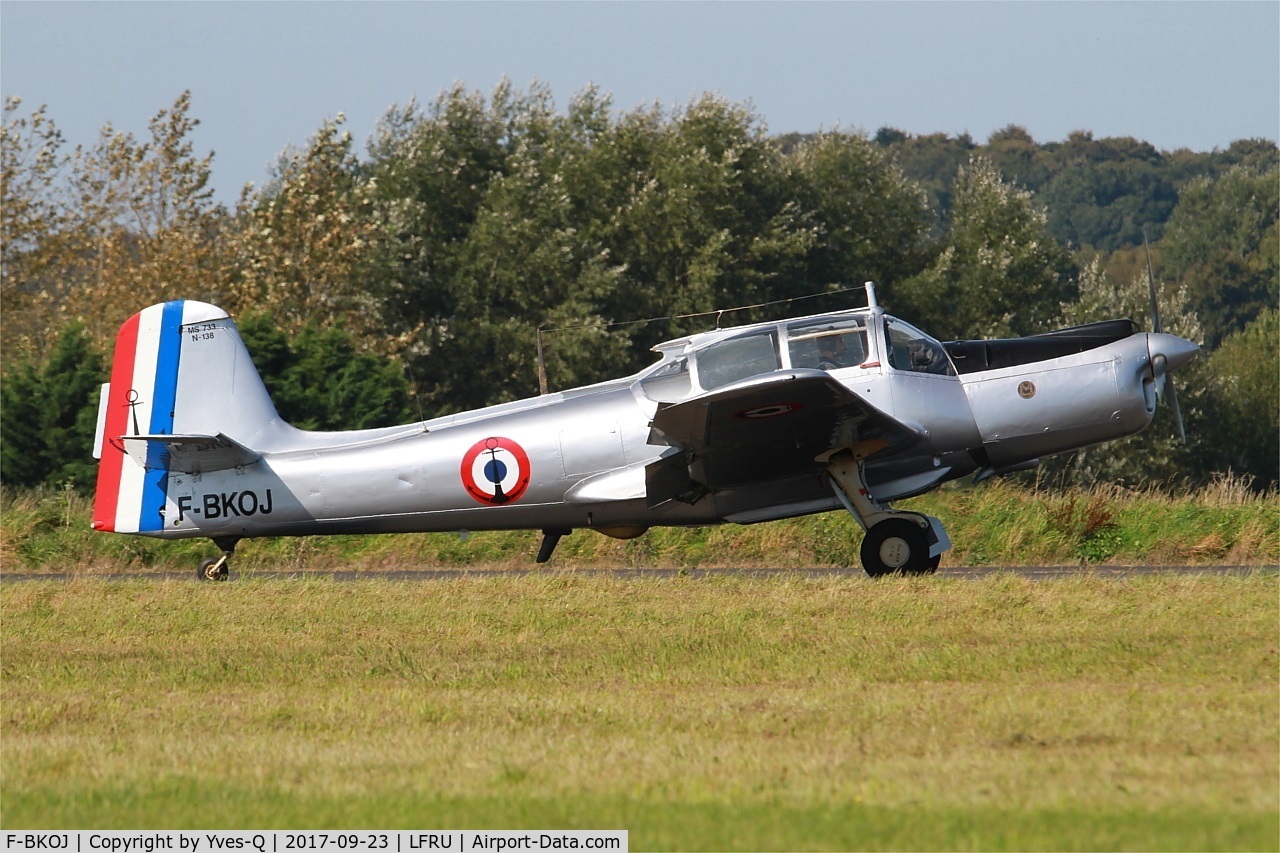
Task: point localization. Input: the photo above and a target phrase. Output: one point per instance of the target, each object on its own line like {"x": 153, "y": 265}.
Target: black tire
{"x": 897, "y": 545}
{"x": 210, "y": 570}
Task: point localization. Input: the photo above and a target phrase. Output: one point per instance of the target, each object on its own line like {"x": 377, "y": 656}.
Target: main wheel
{"x": 214, "y": 569}
{"x": 897, "y": 545}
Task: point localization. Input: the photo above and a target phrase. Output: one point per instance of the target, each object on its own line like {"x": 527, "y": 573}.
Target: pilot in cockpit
{"x": 831, "y": 352}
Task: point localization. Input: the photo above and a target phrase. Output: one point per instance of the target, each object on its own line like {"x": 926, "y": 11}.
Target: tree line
{"x": 415, "y": 276}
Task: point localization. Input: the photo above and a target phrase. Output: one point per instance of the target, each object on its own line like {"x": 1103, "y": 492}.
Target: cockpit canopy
{"x": 853, "y": 341}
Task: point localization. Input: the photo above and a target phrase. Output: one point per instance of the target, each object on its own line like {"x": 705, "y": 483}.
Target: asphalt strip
{"x": 421, "y": 575}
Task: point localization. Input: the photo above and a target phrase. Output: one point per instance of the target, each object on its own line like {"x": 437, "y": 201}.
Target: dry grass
{"x": 995, "y": 524}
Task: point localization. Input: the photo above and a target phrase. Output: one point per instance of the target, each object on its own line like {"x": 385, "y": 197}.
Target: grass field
{"x": 998, "y": 523}
{"x": 708, "y": 713}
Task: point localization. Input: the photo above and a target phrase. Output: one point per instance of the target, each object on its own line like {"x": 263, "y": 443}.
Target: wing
{"x": 761, "y": 429}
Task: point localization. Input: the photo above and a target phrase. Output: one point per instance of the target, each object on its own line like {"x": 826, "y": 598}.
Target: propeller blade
{"x": 1156, "y": 325}
{"x": 1171, "y": 395}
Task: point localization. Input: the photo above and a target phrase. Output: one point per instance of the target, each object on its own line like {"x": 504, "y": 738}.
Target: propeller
{"x": 1159, "y": 361}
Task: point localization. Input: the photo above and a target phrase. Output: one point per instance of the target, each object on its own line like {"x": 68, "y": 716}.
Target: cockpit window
{"x": 911, "y": 349}
{"x": 737, "y": 358}
{"x": 828, "y": 344}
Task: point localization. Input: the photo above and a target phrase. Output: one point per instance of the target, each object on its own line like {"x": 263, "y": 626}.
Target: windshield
{"x": 911, "y": 349}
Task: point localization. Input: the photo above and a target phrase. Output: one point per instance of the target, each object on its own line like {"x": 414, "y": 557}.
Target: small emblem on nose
{"x": 1026, "y": 390}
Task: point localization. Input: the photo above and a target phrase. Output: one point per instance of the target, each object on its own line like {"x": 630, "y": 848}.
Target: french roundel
{"x": 771, "y": 411}
{"x": 495, "y": 471}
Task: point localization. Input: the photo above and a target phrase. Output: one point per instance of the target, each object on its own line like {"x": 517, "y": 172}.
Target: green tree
{"x": 998, "y": 272}
{"x": 48, "y": 413}
{"x": 304, "y": 244}
{"x": 705, "y": 216}
{"x": 1099, "y": 193}
{"x": 871, "y": 220}
{"x": 1223, "y": 243}
{"x": 528, "y": 263}
{"x": 430, "y": 170}
{"x": 32, "y": 215}
{"x": 520, "y": 252}
{"x": 145, "y": 227}
{"x": 506, "y": 216}
{"x": 931, "y": 162}
{"x": 1100, "y": 296}
{"x": 320, "y": 379}
{"x": 98, "y": 234}
{"x": 1015, "y": 154}
{"x": 1106, "y": 205}
{"x": 1241, "y": 427}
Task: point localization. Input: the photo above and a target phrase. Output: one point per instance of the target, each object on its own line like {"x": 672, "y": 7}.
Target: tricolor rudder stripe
{"x": 141, "y": 400}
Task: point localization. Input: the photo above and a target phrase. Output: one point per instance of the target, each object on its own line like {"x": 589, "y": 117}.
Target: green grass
{"x": 713, "y": 713}
{"x": 998, "y": 523}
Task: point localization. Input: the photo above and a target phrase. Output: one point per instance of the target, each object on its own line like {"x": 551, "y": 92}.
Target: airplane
{"x": 850, "y": 409}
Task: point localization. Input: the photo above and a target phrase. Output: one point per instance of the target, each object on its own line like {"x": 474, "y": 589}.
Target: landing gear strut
{"x": 896, "y": 541}
{"x": 218, "y": 568}
{"x": 550, "y": 538}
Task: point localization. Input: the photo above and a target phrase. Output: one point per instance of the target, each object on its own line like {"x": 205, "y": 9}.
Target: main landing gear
{"x": 218, "y": 568}
{"x": 908, "y": 542}
{"x": 550, "y": 539}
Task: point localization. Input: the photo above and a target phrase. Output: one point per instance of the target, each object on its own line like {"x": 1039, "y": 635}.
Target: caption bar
{"x": 286, "y": 841}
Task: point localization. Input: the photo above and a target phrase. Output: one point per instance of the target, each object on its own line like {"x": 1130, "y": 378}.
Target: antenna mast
{"x": 542, "y": 368}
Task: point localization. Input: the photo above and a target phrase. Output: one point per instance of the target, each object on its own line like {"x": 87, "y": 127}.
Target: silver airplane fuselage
{"x": 737, "y": 425}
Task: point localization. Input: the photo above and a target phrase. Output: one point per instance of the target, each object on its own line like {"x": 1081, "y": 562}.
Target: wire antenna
{"x": 718, "y": 312}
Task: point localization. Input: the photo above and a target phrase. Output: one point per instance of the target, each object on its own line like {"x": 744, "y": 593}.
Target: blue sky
{"x": 266, "y": 74}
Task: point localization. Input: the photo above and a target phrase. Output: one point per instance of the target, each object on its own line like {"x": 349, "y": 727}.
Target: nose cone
{"x": 1176, "y": 351}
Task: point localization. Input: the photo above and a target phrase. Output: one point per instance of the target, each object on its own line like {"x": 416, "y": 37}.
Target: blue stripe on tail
{"x": 155, "y": 487}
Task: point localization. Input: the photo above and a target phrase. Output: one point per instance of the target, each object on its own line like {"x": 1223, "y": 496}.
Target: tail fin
{"x": 180, "y": 375}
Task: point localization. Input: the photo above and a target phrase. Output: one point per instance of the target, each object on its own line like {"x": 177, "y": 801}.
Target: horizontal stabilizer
{"x": 189, "y": 454}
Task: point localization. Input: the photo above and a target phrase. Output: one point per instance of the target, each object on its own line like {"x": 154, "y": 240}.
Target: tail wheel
{"x": 214, "y": 569}
{"x": 897, "y": 545}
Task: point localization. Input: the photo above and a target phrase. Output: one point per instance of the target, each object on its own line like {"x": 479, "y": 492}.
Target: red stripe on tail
{"x": 107, "y": 496}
